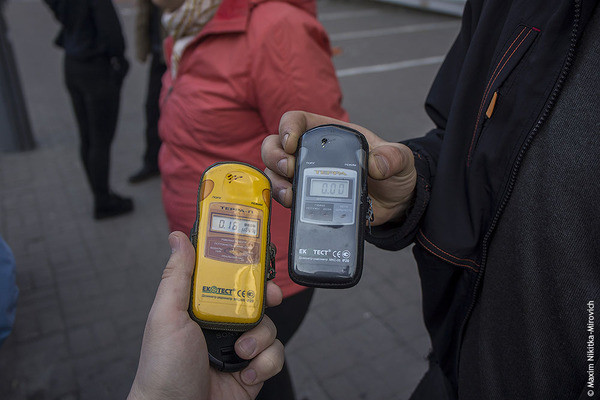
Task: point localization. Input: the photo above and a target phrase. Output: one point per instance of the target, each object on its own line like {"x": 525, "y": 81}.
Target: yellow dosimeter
{"x": 233, "y": 252}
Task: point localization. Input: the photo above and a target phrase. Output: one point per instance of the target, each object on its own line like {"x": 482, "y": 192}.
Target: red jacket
{"x": 251, "y": 63}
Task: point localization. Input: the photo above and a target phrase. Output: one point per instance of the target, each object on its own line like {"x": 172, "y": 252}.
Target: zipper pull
{"x": 167, "y": 95}
{"x": 492, "y": 106}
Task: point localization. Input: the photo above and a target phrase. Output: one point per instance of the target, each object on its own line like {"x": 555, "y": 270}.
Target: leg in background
{"x": 96, "y": 95}
{"x": 150, "y": 166}
{"x": 287, "y": 318}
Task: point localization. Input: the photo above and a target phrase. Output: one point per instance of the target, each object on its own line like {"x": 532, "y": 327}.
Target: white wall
{"x": 452, "y": 7}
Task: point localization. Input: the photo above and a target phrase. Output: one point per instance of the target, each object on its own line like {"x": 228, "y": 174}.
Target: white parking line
{"x": 127, "y": 11}
{"x": 332, "y": 16}
{"x": 393, "y": 31}
{"x": 452, "y": 7}
{"x": 372, "y": 69}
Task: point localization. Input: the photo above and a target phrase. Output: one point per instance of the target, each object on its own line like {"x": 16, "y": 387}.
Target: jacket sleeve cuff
{"x": 398, "y": 235}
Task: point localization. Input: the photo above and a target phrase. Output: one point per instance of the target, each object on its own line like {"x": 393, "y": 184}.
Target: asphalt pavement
{"x": 86, "y": 286}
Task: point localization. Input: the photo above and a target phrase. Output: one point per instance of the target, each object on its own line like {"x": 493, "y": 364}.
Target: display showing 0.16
{"x": 221, "y": 223}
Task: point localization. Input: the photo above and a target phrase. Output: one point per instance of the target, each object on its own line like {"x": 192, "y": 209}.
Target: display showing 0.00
{"x": 329, "y": 187}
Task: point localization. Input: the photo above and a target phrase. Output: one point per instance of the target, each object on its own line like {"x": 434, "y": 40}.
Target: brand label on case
{"x": 325, "y": 255}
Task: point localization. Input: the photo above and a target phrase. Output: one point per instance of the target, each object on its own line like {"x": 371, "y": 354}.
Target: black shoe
{"x": 144, "y": 174}
{"x": 112, "y": 206}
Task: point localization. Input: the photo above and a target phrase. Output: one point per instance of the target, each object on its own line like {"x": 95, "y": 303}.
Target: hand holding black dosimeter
{"x": 329, "y": 209}
{"x": 234, "y": 257}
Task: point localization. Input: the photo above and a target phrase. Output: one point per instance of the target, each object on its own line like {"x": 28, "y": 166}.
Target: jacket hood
{"x": 233, "y": 15}
{"x": 309, "y": 6}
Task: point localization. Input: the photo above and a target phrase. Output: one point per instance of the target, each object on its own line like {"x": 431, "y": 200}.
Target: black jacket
{"x": 514, "y": 53}
{"x": 90, "y": 28}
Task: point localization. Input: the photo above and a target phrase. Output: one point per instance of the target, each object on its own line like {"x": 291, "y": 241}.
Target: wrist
{"x": 397, "y": 214}
{"x": 404, "y": 210}
{"x": 136, "y": 393}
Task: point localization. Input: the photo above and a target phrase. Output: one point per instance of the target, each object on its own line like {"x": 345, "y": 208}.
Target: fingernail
{"x": 249, "y": 376}
{"x": 382, "y": 164}
{"x": 282, "y": 166}
{"x": 247, "y": 346}
{"x": 281, "y": 195}
{"x": 174, "y": 243}
{"x": 285, "y": 139}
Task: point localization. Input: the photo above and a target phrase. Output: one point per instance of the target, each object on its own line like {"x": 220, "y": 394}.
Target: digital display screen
{"x": 221, "y": 223}
{"x": 329, "y": 188}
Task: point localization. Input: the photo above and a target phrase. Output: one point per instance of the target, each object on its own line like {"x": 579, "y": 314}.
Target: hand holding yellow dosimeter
{"x": 234, "y": 257}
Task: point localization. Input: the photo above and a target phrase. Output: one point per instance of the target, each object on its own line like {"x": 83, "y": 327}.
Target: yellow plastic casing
{"x": 231, "y": 236}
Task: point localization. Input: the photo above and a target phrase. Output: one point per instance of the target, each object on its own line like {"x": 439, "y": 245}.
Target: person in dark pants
{"x": 149, "y": 36}
{"x": 234, "y": 67}
{"x": 287, "y": 317}
{"x": 94, "y": 67}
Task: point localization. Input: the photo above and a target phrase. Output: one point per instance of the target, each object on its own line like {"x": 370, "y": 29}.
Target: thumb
{"x": 174, "y": 289}
{"x": 390, "y": 159}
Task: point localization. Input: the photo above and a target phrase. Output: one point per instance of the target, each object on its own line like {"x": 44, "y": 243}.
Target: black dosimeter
{"x": 329, "y": 208}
